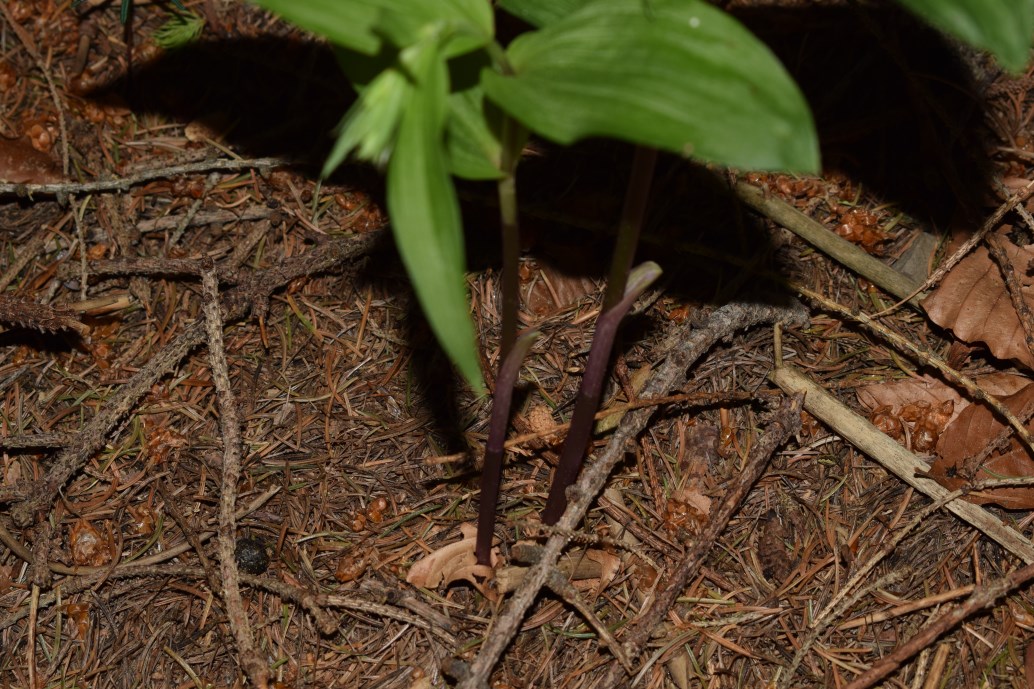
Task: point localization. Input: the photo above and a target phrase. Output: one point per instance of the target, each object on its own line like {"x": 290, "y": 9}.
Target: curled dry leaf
{"x": 554, "y": 290}
{"x": 89, "y": 547}
{"x": 967, "y": 437}
{"x": 899, "y": 394}
{"x": 686, "y": 513}
{"x": 454, "y": 562}
{"x": 20, "y": 163}
{"x": 350, "y": 567}
{"x": 888, "y": 422}
{"x": 79, "y": 615}
{"x": 973, "y": 302}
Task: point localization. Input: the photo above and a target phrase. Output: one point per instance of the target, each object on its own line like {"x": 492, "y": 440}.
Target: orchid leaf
{"x": 679, "y": 75}
{"x": 1002, "y": 27}
{"x": 425, "y": 212}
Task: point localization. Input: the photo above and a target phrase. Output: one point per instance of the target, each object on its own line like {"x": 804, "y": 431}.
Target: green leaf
{"x": 678, "y": 75}
{"x": 474, "y": 151}
{"x": 368, "y": 128}
{"x": 181, "y": 28}
{"x": 425, "y": 212}
{"x": 360, "y": 24}
{"x": 1003, "y": 27}
{"x": 348, "y": 23}
{"x": 467, "y": 24}
{"x": 541, "y": 12}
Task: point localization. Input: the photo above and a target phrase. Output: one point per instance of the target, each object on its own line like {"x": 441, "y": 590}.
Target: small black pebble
{"x": 251, "y": 555}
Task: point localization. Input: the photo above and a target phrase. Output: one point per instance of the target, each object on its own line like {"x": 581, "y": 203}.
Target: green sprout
{"x": 181, "y": 29}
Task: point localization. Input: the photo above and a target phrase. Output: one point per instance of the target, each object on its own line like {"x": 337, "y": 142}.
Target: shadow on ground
{"x": 895, "y": 107}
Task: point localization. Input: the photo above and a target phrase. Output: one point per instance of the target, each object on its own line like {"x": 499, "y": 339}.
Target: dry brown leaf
{"x": 901, "y": 393}
{"x": 972, "y": 301}
{"x": 20, "y": 163}
{"x": 967, "y": 437}
{"x": 89, "y": 547}
{"x": 610, "y": 565}
{"x": 454, "y": 562}
{"x": 552, "y": 290}
{"x": 686, "y": 512}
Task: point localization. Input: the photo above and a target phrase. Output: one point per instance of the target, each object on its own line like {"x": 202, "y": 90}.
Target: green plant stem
{"x": 492, "y": 468}
{"x": 589, "y": 393}
{"x": 637, "y": 195}
{"x": 508, "y": 219}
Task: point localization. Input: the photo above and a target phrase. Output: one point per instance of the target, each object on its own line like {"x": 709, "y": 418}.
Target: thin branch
{"x": 981, "y": 599}
{"x": 1015, "y": 289}
{"x": 683, "y": 347}
{"x": 126, "y": 183}
{"x": 230, "y": 425}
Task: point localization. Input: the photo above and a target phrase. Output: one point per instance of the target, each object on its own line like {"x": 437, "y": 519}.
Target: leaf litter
{"x": 342, "y": 413}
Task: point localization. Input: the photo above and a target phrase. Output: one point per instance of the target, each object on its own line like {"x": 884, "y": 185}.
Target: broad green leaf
{"x": 425, "y": 214}
{"x": 467, "y": 24}
{"x": 541, "y": 12}
{"x": 360, "y": 24}
{"x": 348, "y": 23}
{"x": 678, "y": 75}
{"x": 1003, "y": 27}
{"x": 473, "y": 150}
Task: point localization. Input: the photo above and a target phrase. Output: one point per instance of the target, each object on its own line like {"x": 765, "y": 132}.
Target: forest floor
{"x": 360, "y": 447}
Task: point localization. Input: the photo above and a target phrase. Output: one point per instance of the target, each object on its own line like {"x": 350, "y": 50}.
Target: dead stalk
{"x": 230, "y": 425}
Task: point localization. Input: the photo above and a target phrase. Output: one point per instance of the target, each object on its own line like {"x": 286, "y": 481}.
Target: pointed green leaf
{"x": 425, "y": 214}
{"x": 368, "y": 128}
{"x": 345, "y": 22}
{"x": 360, "y": 24}
{"x": 541, "y": 12}
{"x": 1003, "y": 27}
{"x": 467, "y": 24}
{"x": 474, "y": 151}
{"x": 678, "y": 75}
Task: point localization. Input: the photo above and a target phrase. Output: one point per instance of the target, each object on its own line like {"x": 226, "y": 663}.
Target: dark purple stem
{"x": 492, "y": 471}
{"x": 589, "y": 394}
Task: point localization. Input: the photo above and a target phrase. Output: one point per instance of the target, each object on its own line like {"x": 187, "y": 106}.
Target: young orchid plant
{"x": 439, "y": 97}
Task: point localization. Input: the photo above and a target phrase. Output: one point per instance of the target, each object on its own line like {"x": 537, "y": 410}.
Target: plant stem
{"x": 508, "y": 219}
{"x": 589, "y": 393}
{"x": 619, "y": 294}
{"x": 492, "y": 469}
{"x": 637, "y": 194}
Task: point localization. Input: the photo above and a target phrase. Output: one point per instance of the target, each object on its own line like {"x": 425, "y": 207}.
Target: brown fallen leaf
{"x": 967, "y": 437}
{"x": 552, "y": 289}
{"x": 454, "y": 562}
{"x": 972, "y": 301}
{"x": 20, "y": 163}
{"x": 900, "y": 393}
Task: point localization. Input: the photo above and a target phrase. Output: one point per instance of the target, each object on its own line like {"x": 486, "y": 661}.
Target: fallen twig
{"x": 1014, "y": 288}
{"x": 982, "y": 598}
{"x": 829, "y": 243}
{"x": 230, "y": 426}
{"x": 683, "y": 347}
{"x": 125, "y": 183}
{"x": 895, "y": 458}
